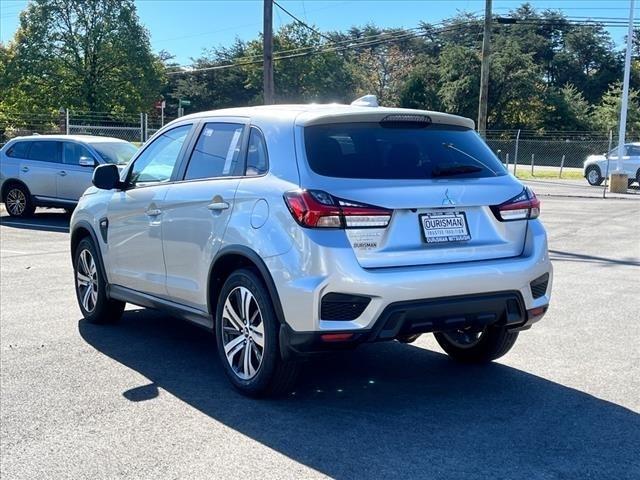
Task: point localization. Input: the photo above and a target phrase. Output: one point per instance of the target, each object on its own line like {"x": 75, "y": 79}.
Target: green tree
{"x": 85, "y": 54}
{"x": 606, "y": 115}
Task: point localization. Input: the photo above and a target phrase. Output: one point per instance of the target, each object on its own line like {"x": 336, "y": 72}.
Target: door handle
{"x": 217, "y": 206}
{"x": 153, "y": 212}
{"x": 25, "y": 169}
{"x": 62, "y": 173}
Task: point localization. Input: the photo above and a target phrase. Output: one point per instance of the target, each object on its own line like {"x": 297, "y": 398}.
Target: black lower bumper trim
{"x": 419, "y": 316}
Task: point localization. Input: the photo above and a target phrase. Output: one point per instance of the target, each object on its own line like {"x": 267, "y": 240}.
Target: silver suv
{"x": 293, "y": 230}
{"x": 54, "y": 170}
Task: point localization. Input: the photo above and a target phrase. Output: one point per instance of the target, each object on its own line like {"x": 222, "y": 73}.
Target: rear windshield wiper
{"x": 455, "y": 170}
{"x": 453, "y": 147}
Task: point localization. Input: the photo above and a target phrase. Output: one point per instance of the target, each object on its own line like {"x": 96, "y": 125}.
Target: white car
{"x": 597, "y": 167}
{"x": 295, "y": 229}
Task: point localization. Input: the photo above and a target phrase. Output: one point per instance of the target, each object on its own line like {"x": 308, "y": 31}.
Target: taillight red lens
{"x": 521, "y": 207}
{"x": 318, "y": 209}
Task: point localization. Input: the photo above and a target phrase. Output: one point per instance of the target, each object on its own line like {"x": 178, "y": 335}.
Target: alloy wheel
{"x": 87, "y": 280}
{"x": 593, "y": 176}
{"x": 16, "y": 201}
{"x": 243, "y": 333}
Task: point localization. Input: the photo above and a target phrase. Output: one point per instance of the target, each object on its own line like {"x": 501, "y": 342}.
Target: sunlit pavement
{"x": 147, "y": 399}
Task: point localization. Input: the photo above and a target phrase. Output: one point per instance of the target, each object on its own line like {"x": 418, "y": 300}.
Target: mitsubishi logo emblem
{"x": 447, "y": 200}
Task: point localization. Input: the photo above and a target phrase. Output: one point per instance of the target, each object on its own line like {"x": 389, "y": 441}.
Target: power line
{"x": 337, "y": 43}
{"x": 301, "y": 22}
{"x": 393, "y": 38}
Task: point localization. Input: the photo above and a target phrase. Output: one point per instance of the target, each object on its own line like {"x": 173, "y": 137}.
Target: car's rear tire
{"x": 477, "y": 347}
{"x": 91, "y": 286}
{"x": 17, "y": 199}
{"x": 593, "y": 175}
{"x": 246, "y": 331}
{"x": 638, "y": 177}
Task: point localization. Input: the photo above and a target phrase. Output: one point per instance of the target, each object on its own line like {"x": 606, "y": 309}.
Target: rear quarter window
{"x": 398, "y": 151}
{"x": 18, "y": 150}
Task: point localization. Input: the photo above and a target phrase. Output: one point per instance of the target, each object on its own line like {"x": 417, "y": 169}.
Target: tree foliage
{"x": 86, "y": 54}
{"x": 547, "y": 73}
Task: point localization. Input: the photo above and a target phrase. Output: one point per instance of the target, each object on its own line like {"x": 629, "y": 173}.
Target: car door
{"x": 41, "y": 167}
{"x": 197, "y": 209}
{"x": 632, "y": 161}
{"x": 74, "y": 179}
{"x": 135, "y": 214}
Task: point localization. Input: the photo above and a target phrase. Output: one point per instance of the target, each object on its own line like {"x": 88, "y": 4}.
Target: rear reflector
{"x": 336, "y": 337}
{"x": 537, "y": 313}
{"x": 524, "y": 206}
{"x": 318, "y": 209}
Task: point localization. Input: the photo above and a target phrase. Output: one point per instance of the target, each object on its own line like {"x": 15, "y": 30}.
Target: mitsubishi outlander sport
{"x": 296, "y": 229}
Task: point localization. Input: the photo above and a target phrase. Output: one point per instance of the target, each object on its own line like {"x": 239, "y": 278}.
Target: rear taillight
{"x": 521, "y": 207}
{"x": 318, "y": 209}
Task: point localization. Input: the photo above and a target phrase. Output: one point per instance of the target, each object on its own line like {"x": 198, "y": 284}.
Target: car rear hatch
{"x": 410, "y": 192}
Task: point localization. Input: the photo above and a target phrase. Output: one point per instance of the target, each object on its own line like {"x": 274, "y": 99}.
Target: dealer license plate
{"x": 444, "y": 227}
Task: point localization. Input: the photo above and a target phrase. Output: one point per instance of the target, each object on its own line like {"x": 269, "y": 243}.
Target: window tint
{"x": 19, "y": 150}
{"x": 157, "y": 161}
{"x": 257, "y": 160}
{"x": 217, "y": 152}
{"x": 398, "y": 151}
{"x": 71, "y": 153}
{"x": 45, "y": 151}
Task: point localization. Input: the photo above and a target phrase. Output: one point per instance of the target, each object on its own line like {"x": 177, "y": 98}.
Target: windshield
{"x": 412, "y": 152}
{"x": 115, "y": 152}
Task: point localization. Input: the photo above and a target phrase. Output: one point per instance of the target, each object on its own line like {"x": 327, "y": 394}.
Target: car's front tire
{"x": 593, "y": 175}
{"x": 246, "y": 329}
{"x": 91, "y": 286}
{"x": 18, "y": 202}
{"x": 477, "y": 347}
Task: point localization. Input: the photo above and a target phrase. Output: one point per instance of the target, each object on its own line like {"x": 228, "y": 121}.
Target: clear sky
{"x": 186, "y": 27}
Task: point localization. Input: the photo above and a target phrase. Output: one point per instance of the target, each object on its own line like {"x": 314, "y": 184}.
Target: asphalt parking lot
{"x": 147, "y": 398}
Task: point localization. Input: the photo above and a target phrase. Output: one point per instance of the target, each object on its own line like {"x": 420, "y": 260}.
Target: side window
{"x": 634, "y": 151}
{"x": 157, "y": 161}
{"x": 71, "y": 153}
{"x": 19, "y": 150}
{"x": 45, "y": 151}
{"x": 217, "y": 152}
{"x": 257, "y": 159}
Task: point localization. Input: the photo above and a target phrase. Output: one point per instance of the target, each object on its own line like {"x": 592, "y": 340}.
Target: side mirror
{"x": 86, "y": 162}
{"x": 106, "y": 177}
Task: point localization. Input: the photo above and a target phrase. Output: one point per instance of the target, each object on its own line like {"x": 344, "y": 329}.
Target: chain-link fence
{"x": 134, "y": 128}
{"x": 548, "y": 152}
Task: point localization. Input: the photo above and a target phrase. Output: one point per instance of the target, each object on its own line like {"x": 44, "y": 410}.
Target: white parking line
{"x": 35, "y": 225}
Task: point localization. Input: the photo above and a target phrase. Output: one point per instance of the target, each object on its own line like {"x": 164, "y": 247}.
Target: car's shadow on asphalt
{"x": 388, "y": 410}
{"x": 49, "y": 221}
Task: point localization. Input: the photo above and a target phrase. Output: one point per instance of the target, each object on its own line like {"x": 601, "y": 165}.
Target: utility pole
{"x": 484, "y": 72}
{"x": 267, "y": 46}
{"x": 618, "y": 181}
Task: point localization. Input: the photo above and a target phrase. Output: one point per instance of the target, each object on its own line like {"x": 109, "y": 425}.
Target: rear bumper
{"x": 399, "y": 319}
{"x": 313, "y": 269}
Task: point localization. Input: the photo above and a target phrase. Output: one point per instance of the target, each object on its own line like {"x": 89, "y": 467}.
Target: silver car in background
{"x": 291, "y": 230}
{"x": 54, "y": 170}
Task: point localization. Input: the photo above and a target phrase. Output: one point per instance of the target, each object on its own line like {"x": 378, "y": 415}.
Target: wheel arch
{"x": 229, "y": 259}
{"x": 83, "y": 229}
{"x": 10, "y": 182}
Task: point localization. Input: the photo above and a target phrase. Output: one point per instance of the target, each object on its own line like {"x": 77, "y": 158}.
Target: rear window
{"x": 397, "y": 151}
